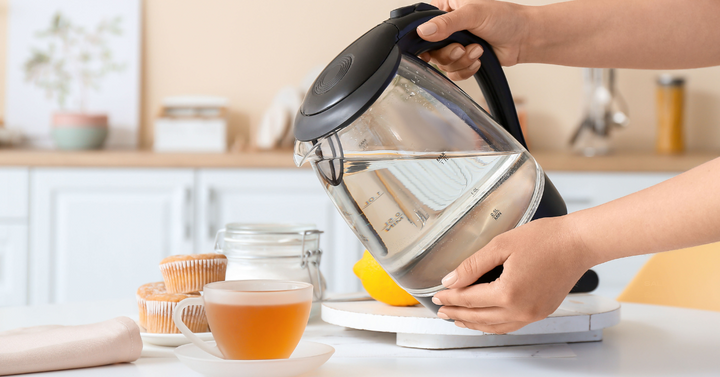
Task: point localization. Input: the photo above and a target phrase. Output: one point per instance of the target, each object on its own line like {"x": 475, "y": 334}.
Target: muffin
{"x": 156, "y": 306}
{"x": 190, "y": 273}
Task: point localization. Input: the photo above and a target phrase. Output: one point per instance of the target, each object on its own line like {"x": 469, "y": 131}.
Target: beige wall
{"x": 247, "y": 50}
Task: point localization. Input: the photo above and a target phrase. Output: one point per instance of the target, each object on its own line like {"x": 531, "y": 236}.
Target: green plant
{"x": 74, "y": 59}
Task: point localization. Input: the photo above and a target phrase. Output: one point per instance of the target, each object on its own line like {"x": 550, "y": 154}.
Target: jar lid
{"x": 263, "y": 228}
{"x": 670, "y": 80}
{"x": 269, "y": 240}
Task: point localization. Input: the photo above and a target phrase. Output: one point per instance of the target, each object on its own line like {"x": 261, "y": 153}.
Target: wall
{"x": 247, "y": 50}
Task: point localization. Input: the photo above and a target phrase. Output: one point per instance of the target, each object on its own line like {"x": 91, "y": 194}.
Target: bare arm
{"x": 680, "y": 212}
{"x": 651, "y": 34}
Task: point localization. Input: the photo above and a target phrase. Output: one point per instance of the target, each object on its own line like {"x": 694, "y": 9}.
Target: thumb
{"x": 472, "y": 268}
{"x": 441, "y": 27}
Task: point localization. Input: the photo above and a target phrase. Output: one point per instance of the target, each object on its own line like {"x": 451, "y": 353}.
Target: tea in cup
{"x": 251, "y": 319}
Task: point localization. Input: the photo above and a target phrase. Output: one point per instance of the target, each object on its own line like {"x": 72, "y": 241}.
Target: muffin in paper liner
{"x": 155, "y": 308}
{"x": 190, "y": 273}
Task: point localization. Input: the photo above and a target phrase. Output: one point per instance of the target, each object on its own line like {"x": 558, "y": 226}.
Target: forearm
{"x": 649, "y": 34}
{"x": 681, "y": 212}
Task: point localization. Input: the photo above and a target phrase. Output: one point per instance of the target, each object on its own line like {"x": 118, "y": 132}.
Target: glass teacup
{"x": 251, "y": 319}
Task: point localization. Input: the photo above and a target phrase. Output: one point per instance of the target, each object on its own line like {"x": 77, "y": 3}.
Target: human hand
{"x": 501, "y": 24}
{"x": 542, "y": 261}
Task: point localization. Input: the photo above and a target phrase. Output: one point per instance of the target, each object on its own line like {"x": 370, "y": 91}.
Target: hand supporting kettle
{"x": 421, "y": 173}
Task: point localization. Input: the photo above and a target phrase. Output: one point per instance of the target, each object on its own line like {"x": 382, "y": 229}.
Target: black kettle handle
{"x": 490, "y": 76}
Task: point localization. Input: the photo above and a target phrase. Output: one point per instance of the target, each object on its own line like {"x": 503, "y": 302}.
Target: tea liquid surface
{"x": 254, "y": 332}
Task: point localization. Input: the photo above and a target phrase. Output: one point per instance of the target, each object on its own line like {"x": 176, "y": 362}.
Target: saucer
{"x": 308, "y": 356}
{"x": 170, "y": 340}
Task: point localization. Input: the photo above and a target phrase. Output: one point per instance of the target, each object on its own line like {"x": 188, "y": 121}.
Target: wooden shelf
{"x": 550, "y": 161}
{"x": 145, "y": 159}
{"x": 622, "y": 162}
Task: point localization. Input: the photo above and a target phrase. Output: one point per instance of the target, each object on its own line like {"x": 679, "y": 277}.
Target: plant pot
{"x": 79, "y": 131}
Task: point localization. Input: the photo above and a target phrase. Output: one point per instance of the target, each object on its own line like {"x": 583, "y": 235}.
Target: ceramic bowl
{"x": 77, "y": 131}
{"x": 79, "y": 138}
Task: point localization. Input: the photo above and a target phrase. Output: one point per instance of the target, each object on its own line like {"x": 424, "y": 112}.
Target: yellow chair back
{"x": 688, "y": 278}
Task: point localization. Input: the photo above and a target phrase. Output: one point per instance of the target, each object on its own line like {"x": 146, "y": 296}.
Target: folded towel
{"x": 46, "y": 348}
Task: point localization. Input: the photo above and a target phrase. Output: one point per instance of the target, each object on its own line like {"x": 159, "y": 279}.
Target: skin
{"x": 544, "y": 258}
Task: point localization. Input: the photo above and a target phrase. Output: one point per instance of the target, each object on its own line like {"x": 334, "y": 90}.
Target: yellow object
{"x": 379, "y": 285}
{"x": 670, "y": 97}
{"x": 687, "y": 278}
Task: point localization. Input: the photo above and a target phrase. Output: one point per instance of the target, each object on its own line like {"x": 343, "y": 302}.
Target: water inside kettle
{"x": 422, "y": 214}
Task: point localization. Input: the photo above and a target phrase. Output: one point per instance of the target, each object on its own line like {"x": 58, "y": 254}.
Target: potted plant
{"x": 73, "y": 63}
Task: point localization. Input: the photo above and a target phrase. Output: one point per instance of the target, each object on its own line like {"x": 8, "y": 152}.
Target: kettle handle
{"x": 490, "y": 77}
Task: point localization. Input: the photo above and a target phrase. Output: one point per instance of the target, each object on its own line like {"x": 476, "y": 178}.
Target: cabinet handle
{"x": 188, "y": 213}
{"x": 211, "y": 213}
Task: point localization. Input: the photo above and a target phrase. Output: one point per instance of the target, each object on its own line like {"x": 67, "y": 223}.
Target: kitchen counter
{"x": 650, "y": 340}
{"x": 550, "y": 161}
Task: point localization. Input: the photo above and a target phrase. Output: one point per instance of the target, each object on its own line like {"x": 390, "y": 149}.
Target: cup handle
{"x": 177, "y": 318}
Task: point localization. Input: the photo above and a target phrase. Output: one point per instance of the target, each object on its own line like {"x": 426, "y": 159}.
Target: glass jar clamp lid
{"x": 273, "y": 251}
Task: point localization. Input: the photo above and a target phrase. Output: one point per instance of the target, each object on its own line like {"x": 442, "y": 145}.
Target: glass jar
{"x": 273, "y": 251}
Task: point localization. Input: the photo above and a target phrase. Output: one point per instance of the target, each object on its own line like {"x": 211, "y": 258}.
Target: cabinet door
{"x": 13, "y": 193}
{"x": 585, "y": 190}
{"x": 278, "y": 196}
{"x": 13, "y": 264}
{"x": 99, "y": 234}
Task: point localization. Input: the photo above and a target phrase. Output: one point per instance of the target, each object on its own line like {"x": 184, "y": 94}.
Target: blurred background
{"x": 198, "y": 95}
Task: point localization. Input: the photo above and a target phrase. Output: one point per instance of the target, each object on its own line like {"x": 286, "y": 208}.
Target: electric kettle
{"x": 423, "y": 175}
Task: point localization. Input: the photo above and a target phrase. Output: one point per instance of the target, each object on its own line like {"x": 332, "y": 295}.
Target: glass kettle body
{"x": 423, "y": 175}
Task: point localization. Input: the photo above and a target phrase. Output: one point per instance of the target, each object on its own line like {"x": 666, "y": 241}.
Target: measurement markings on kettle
{"x": 373, "y": 199}
{"x": 393, "y": 221}
{"x": 442, "y": 158}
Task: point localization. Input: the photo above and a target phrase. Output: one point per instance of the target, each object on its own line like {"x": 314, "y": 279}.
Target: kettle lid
{"x": 349, "y": 84}
{"x": 357, "y": 76}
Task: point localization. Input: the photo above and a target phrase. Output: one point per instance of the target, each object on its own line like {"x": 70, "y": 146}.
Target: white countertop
{"x": 650, "y": 340}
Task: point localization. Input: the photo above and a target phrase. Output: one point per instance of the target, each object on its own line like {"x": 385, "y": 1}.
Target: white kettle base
{"x": 580, "y": 318}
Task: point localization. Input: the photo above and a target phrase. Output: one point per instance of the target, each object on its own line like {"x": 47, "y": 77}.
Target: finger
{"x": 442, "y": 5}
{"x": 492, "y": 255}
{"x": 485, "y": 316}
{"x": 465, "y": 74}
{"x": 448, "y": 54}
{"x": 466, "y": 60}
{"x": 499, "y": 329}
{"x": 443, "y": 26}
{"x": 425, "y": 56}
{"x": 474, "y": 296}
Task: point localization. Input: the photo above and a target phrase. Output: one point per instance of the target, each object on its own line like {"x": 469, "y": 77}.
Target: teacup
{"x": 251, "y": 319}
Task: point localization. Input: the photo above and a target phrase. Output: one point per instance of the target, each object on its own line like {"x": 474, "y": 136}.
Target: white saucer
{"x": 308, "y": 356}
{"x": 170, "y": 340}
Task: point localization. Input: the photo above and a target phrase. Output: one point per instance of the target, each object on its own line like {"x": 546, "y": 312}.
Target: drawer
{"x": 14, "y": 193}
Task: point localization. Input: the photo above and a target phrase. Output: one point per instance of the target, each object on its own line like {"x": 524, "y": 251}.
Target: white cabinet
{"x": 585, "y": 190}
{"x": 99, "y": 234}
{"x": 13, "y": 264}
{"x": 90, "y": 234}
{"x": 13, "y": 193}
{"x": 13, "y": 235}
{"x": 277, "y": 196}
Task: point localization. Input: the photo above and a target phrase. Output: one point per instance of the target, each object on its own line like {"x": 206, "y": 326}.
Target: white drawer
{"x": 13, "y": 193}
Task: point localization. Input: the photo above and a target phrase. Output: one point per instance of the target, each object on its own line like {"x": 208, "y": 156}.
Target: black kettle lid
{"x": 357, "y": 76}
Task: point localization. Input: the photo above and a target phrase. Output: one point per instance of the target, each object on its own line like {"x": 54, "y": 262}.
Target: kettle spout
{"x": 304, "y": 151}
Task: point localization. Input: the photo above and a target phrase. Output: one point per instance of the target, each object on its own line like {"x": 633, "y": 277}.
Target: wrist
{"x": 529, "y": 35}
{"x": 573, "y": 239}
